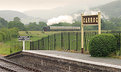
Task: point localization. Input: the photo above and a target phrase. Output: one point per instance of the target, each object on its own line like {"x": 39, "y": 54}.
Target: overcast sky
{"x": 24, "y": 5}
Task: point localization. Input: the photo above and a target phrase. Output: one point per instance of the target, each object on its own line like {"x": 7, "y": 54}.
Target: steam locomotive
{"x": 61, "y": 28}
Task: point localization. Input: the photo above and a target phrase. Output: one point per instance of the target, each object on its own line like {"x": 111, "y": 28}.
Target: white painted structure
{"x": 73, "y": 59}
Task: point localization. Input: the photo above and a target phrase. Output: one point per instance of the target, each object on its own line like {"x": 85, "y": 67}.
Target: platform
{"x": 102, "y": 61}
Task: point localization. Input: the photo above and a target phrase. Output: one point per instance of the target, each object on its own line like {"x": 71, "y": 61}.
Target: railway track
{"x": 5, "y": 69}
{"x": 9, "y": 66}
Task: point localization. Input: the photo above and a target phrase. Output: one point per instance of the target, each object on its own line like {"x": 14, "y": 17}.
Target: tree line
{"x": 16, "y": 23}
{"x": 107, "y": 24}
{"x": 7, "y": 34}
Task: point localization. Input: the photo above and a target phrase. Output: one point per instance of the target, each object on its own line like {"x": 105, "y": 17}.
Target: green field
{"x": 36, "y": 34}
{"x": 9, "y": 47}
{"x": 13, "y": 45}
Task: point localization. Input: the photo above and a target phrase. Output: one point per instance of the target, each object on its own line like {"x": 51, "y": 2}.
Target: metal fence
{"x": 69, "y": 41}
{"x": 63, "y": 41}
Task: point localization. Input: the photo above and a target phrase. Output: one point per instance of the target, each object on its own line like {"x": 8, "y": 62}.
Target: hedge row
{"x": 8, "y": 34}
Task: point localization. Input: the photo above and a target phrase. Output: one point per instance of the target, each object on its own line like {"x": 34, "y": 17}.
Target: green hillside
{"x": 112, "y": 9}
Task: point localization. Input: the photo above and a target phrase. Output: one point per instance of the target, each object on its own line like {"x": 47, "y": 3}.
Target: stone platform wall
{"x": 53, "y": 64}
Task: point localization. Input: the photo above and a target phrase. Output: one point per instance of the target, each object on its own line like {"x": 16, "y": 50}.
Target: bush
{"x": 1, "y": 38}
{"x": 8, "y": 34}
{"x": 102, "y": 45}
{"x": 118, "y": 37}
{"x": 14, "y": 32}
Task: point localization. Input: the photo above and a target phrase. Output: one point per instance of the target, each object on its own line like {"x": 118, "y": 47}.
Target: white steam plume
{"x": 94, "y": 12}
{"x": 75, "y": 16}
{"x": 70, "y": 19}
{"x": 65, "y": 18}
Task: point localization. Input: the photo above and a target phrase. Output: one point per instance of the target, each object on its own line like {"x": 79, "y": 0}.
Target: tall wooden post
{"x": 82, "y": 35}
{"x": 99, "y": 22}
{"x": 89, "y": 20}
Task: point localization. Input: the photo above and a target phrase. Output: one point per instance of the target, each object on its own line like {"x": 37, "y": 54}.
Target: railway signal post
{"x": 89, "y": 20}
{"x": 24, "y": 38}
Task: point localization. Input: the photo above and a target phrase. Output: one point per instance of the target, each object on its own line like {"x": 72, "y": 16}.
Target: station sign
{"x": 90, "y": 19}
{"x": 22, "y": 38}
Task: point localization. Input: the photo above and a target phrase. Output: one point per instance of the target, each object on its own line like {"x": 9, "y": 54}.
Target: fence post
{"x": 38, "y": 44}
{"x": 10, "y": 50}
{"x": 54, "y": 41}
{"x": 85, "y": 41}
{"x": 95, "y": 33}
{"x": 48, "y": 42}
{"x": 119, "y": 41}
{"x": 68, "y": 40}
{"x": 30, "y": 45}
{"x": 33, "y": 45}
{"x": 43, "y": 43}
{"x": 76, "y": 41}
{"x": 62, "y": 40}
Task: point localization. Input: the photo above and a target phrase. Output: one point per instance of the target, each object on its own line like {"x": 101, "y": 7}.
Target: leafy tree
{"x": 16, "y": 23}
{"x": 14, "y": 32}
{"x": 76, "y": 23}
{"x": 41, "y": 25}
{"x": 33, "y": 27}
{"x": 17, "y": 19}
{"x": 3, "y": 23}
{"x": 111, "y": 24}
{"x": 7, "y": 34}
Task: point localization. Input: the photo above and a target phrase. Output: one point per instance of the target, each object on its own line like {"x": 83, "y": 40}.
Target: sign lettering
{"x": 24, "y": 37}
{"x": 93, "y": 19}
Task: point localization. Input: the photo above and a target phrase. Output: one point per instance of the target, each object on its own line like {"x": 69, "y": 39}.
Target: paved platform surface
{"x": 80, "y": 57}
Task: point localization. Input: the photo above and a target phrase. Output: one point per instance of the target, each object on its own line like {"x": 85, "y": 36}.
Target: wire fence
{"x": 69, "y": 41}
{"x": 63, "y": 41}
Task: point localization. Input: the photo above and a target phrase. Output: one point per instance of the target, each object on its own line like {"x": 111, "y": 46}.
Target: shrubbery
{"x": 8, "y": 34}
{"x": 102, "y": 45}
{"x": 1, "y": 37}
{"x": 118, "y": 37}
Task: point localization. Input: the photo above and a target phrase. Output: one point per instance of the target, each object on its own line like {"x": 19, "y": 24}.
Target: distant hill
{"x": 9, "y": 15}
{"x": 47, "y": 14}
{"x": 67, "y": 9}
{"x": 112, "y": 9}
